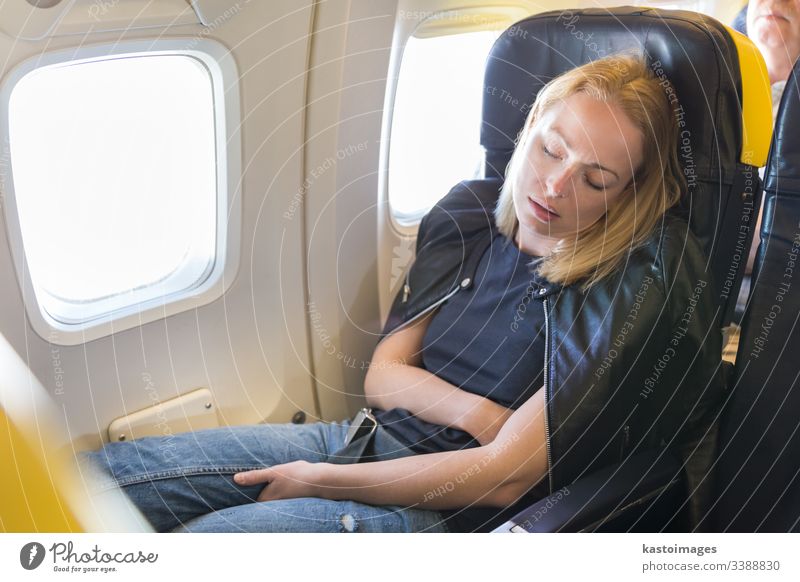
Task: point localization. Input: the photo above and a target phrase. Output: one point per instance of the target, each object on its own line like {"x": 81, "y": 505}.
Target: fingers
{"x": 265, "y": 495}
{"x": 253, "y": 477}
{"x": 256, "y": 477}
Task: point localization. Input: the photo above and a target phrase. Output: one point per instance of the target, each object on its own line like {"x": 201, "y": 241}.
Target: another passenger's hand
{"x": 286, "y": 481}
{"x": 486, "y": 420}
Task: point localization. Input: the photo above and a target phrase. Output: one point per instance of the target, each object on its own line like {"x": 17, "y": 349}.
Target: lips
{"x": 544, "y": 206}
{"x": 773, "y": 15}
{"x": 542, "y": 212}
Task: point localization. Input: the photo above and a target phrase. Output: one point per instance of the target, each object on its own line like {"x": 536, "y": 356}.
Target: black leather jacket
{"x": 633, "y": 363}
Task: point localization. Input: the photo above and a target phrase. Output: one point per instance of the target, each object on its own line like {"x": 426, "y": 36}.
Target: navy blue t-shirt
{"x": 488, "y": 340}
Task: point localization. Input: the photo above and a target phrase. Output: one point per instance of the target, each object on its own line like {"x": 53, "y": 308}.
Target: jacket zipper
{"x": 406, "y": 286}
{"x": 464, "y": 283}
{"x": 432, "y": 306}
{"x": 626, "y": 438}
{"x": 546, "y": 394}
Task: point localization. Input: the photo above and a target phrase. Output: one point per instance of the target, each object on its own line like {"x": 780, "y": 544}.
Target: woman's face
{"x": 579, "y": 157}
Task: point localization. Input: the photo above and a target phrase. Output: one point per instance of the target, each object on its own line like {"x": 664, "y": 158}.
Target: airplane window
{"x": 436, "y": 120}
{"x": 115, "y": 182}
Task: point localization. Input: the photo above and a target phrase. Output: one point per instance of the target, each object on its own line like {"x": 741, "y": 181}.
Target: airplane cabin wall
{"x": 250, "y": 347}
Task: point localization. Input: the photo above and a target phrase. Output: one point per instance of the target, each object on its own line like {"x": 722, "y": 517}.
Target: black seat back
{"x": 758, "y": 468}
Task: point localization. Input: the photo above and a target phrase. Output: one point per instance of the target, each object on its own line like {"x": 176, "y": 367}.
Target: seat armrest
{"x": 603, "y": 496}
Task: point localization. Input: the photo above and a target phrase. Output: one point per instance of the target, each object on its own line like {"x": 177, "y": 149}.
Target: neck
{"x": 533, "y": 243}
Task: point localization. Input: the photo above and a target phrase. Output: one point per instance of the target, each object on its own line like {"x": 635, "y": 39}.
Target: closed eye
{"x": 598, "y": 187}
{"x": 549, "y": 153}
{"x": 592, "y": 184}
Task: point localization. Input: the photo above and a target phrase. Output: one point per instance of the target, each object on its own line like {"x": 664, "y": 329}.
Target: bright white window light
{"x": 115, "y": 181}
{"x": 436, "y": 120}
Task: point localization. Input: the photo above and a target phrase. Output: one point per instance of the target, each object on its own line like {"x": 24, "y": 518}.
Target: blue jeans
{"x": 184, "y": 482}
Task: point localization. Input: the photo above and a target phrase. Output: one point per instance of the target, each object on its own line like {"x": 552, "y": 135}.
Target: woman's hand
{"x": 286, "y": 481}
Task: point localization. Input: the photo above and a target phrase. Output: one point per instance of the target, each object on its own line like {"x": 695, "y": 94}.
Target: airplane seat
{"x": 717, "y": 158}
{"x": 758, "y": 466}
{"x": 43, "y": 490}
{"x": 724, "y": 112}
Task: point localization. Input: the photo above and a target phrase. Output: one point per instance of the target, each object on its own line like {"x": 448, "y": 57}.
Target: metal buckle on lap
{"x": 363, "y": 424}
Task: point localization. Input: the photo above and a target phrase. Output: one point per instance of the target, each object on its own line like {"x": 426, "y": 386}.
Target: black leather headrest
{"x": 695, "y": 52}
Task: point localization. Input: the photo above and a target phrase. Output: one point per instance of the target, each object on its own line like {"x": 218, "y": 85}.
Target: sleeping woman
{"x": 551, "y": 324}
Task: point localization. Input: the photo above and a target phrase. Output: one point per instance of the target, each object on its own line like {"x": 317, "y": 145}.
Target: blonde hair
{"x": 599, "y": 249}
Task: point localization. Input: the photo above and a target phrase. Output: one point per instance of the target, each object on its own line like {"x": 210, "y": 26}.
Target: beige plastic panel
{"x": 213, "y": 11}
{"x": 95, "y": 16}
{"x": 31, "y": 20}
{"x": 188, "y": 412}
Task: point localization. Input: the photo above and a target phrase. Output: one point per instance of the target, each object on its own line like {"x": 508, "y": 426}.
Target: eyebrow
{"x": 596, "y": 165}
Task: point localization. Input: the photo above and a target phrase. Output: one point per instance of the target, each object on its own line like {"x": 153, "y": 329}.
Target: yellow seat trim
{"x": 756, "y": 101}
{"x": 31, "y": 499}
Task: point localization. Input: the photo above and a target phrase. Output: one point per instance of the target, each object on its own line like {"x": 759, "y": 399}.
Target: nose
{"x": 558, "y": 182}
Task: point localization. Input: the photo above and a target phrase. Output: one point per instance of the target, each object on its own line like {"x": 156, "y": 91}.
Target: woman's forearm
{"x": 446, "y": 480}
{"x": 494, "y": 475}
{"x": 435, "y": 400}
